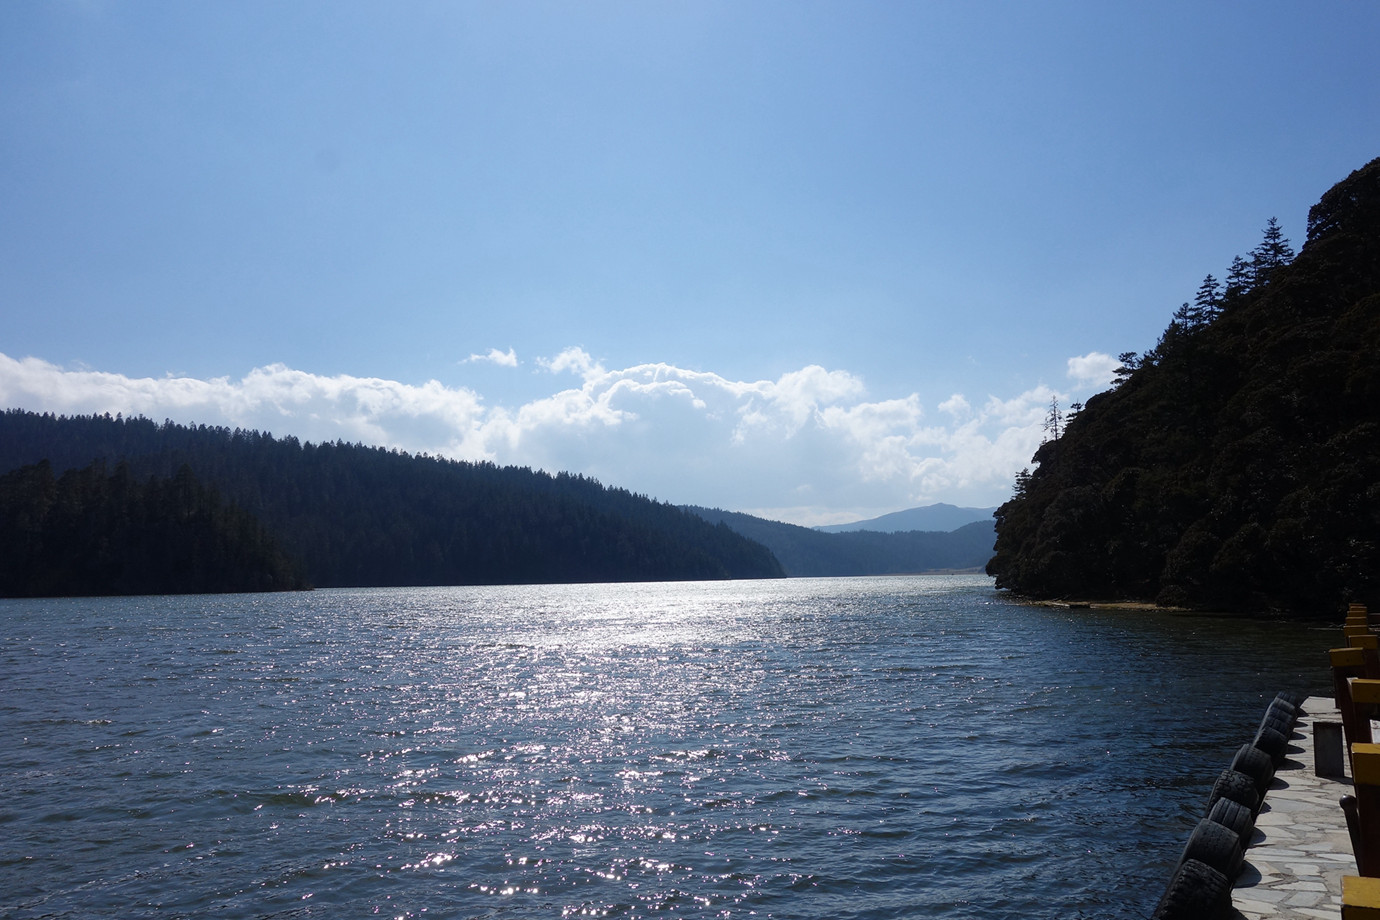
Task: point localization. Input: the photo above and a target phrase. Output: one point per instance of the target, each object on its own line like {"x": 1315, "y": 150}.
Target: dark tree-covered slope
{"x": 88, "y": 533}
{"x": 358, "y": 516}
{"x": 1237, "y": 464}
{"x": 804, "y": 551}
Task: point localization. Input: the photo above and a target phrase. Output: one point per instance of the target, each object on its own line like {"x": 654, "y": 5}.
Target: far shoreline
{"x": 1151, "y": 606}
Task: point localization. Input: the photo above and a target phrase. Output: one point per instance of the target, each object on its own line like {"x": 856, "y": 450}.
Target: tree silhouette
{"x": 364, "y": 516}
{"x": 1054, "y": 420}
{"x": 1207, "y": 303}
{"x": 1274, "y": 252}
{"x": 1240, "y": 470}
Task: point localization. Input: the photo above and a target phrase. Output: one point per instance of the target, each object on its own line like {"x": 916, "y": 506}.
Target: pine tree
{"x": 1185, "y": 319}
{"x": 1240, "y": 278}
{"x": 1054, "y": 420}
{"x": 1207, "y": 303}
{"x": 1273, "y": 252}
{"x": 1130, "y": 361}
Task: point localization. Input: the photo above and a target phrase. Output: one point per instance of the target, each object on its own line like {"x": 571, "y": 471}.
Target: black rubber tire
{"x": 1235, "y": 817}
{"x": 1256, "y": 764}
{"x": 1282, "y": 724}
{"x": 1215, "y": 845}
{"x": 1238, "y": 787}
{"x": 1282, "y": 710}
{"x": 1296, "y": 699}
{"x": 1272, "y": 742}
{"x": 1196, "y": 892}
{"x": 1282, "y": 706}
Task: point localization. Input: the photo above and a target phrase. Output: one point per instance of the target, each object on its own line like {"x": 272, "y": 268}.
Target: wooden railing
{"x": 1356, "y": 686}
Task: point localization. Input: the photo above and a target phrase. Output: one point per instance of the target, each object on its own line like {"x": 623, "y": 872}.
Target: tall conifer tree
{"x": 1240, "y": 278}
{"x": 1207, "y": 303}
{"x": 1273, "y": 252}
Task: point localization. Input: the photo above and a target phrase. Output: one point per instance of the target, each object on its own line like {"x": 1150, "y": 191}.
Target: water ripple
{"x": 862, "y": 748}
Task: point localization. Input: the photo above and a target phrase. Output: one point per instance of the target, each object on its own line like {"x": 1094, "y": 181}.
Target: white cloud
{"x": 807, "y": 446}
{"x": 501, "y": 358}
{"x": 576, "y": 360}
{"x": 1093, "y": 369}
{"x": 275, "y": 398}
{"x": 956, "y": 406}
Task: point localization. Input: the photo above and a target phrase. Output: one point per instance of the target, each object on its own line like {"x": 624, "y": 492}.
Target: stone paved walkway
{"x": 1300, "y": 849}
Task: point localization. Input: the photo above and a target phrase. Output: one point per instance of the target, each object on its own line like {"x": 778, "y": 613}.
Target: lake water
{"x": 812, "y": 748}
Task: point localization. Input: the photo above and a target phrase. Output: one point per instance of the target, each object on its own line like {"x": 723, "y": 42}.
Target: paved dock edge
{"x": 1300, "y": 848}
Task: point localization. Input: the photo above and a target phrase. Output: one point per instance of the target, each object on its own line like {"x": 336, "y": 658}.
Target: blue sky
{"x": 816, "y": 261}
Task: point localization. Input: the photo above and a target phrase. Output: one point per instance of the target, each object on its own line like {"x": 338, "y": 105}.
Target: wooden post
{"x": 1360, "y": 898}
{"x": 1365, "y": 691}
{"x": 1346, "y": 664}
{"x": 1365, "y": 700}
{"x": 1357, "y": 613}
{"x": 1365, "y": 766}
{"x": 1369, "y": 644}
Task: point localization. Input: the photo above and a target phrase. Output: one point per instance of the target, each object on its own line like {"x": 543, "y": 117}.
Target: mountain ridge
{"x": 366, "y": 516}
{"x": 806, "y": 552}
{"x": 940, "y": 516}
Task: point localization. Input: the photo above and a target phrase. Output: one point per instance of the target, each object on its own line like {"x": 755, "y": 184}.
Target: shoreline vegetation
{"x": 340, "y": 515}
{"x": 1235, "y": 466}
{"x": 173, "y": 509}
{"x": 87, "y": 533}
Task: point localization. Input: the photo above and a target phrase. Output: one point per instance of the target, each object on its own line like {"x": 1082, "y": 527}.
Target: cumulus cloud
{"x": 576, "y": 360}
{"x": 275, "y": 398}
{"x": 501, "y": 358}
{"x": 1093, "y": 369}
{"x": 804, "y": 446}
{"x": 956, "y": 405}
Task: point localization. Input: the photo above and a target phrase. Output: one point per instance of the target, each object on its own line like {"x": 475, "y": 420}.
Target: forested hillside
{"x": 804, "y": 551}
{"x": 1236, "y": 465}
{"x": 89, "y": 533}
{"x": 356, "y": 515}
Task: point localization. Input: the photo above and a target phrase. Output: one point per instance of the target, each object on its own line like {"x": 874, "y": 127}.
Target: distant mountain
{"x": 803, "y": 551}
{"x": 930, "y": 517}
